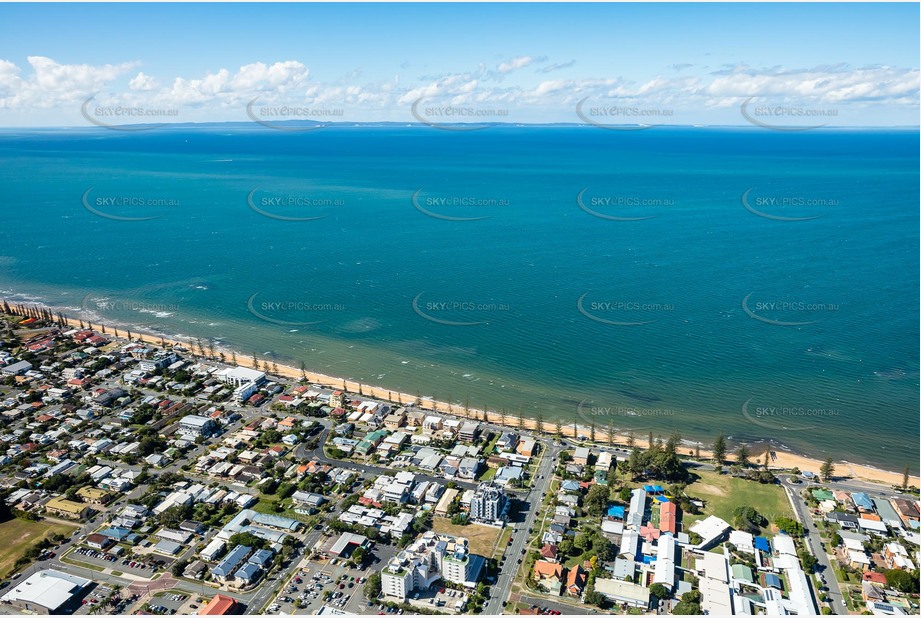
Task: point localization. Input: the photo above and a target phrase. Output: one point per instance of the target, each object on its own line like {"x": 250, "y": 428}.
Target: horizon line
{"x": 378, "y": 123}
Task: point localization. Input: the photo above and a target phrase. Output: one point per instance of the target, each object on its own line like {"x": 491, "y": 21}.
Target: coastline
{"x": 784, "y": 459}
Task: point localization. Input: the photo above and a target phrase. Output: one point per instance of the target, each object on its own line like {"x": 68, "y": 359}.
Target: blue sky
{"x": 850, "y": 64}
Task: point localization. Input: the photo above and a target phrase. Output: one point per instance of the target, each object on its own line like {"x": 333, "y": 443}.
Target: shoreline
{"x": 785, "y": 459}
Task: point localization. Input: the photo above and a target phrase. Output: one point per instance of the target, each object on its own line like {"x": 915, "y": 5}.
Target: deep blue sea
{"x": 759, "y": 283}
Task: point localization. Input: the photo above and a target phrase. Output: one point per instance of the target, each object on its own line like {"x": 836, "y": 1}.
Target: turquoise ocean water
{"x": 759, "y": 283}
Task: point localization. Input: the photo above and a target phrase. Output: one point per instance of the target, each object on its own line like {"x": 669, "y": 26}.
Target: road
{"x": 500, "y": 590}
{"x": 814, "y": 543}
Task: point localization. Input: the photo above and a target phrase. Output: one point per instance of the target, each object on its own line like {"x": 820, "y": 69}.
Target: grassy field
{"x": 16, "y": 535}
{"x": 488, "y": 475}
{"x": 482, "y": 539}
{"x": 722, "y": 494}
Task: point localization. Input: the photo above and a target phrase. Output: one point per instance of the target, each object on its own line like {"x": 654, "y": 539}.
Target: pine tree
{"x": 591, "y": 434}
{"x": 742, "y": 455}
{"x": 828, "y": 469}
{"x": 719, "y": 450}
{"x": 905, "y": 478}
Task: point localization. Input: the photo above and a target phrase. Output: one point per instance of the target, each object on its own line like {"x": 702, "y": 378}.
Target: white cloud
{"x": 514, "y": 64}
{"x": 217, "y": 93}
{"x": 143, "y": 82}
{"x": 52, "y": 84}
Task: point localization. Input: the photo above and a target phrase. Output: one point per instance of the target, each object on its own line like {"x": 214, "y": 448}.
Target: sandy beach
{"x": 784, "y": 460}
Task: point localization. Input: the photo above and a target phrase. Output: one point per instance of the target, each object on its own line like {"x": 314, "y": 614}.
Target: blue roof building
{"x": 261, "y": 557}
{"x": 230, "y": 562}
{"x": 570, "y": 485}
{"x": 862, "y": 501}
{"x": 247, "y": 573}
{"x": 119, "y": 534}
{"x": 772, "y": 581}
{"x": 762, "y": 544}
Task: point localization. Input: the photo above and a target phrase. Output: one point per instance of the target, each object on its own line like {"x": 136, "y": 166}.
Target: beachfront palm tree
{"x": 521, "y": 419}
{"x": 592, "y": 432}
{"x": 540, "y": 423}
{"x": 905, "y": 478}
{"x": 767, "y": 456}
{"x": 631, "y": 439}
{"x": 611, "y": 432}
{"x": 697, "y": 451}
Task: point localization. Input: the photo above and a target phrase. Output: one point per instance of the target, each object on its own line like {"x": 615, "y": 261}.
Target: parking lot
{"x": 170, "y": 602}
{"x": 439, "y": 599}
{"x": 308, "y": 585}
{"x": 94, "y": 600}
{"x": 107, "y": 561}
